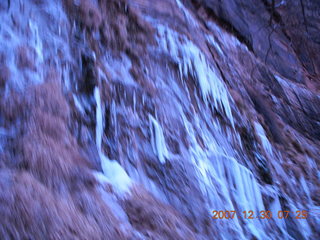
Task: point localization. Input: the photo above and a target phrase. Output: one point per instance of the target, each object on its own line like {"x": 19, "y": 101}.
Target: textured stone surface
{"x": 198, "y": 105}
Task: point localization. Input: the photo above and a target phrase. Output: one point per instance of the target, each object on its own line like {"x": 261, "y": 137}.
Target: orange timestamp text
{"x": 259, "y": 215}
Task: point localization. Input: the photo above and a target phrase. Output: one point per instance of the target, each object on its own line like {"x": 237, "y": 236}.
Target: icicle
{"x": 113, "y": 171}
{"x": 157, "y": 140}
{"x": 274, "y": 208}
{"x": 99, "y": 119}
{"x": 194, "y": 62}
{"x": 134, "y": 101}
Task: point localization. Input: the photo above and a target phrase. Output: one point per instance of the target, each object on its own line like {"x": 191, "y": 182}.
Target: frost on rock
{"x": 192, "y": 61}
{"x": 120, "y": 69}
{"x": 157, "y": 140}
{"x": 23, "y": 34}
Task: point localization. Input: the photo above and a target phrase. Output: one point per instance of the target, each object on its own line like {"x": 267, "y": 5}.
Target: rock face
{"x": 135, "y": 119}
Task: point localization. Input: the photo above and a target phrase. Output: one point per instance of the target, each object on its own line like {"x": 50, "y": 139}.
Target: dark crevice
{"x": 276, "y": 17}
{"x": 304, "y": 15}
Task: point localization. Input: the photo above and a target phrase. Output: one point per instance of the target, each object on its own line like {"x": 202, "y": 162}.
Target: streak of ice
{"x": 264, "y": 140}
{"x": 189, "y": 18}
{"x": 99, "y": 119}
{"x": 215, "y": 44}
{"x": 229, "y": 41}
{"x": 78, "y": 104}
{"x": 306, "y": 189}
{"x": 157, "y": 140}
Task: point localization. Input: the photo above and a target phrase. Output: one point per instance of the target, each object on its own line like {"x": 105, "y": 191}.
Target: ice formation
{"x": 192, "y": 61}
{"x": 157, "y": 140}
{"x": 264, "y": 140}
{"x": 179, "y": 118}
{"x": 113, "y": 171}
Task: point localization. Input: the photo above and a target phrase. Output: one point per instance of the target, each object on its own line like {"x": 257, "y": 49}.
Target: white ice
{"x": 226, "y": 183}
{"x": 116, "y": 175}
{"x": 211, "y": 40}
{"x": 99, "y": 119}
{"x": 264, "y": 140}
{"x": 157, "y": 140}
{"x": 189, "y": 18}
{"x": 113, "y": 171}
{"x": 306, "y": 189}
{"x": 191, "y": 60}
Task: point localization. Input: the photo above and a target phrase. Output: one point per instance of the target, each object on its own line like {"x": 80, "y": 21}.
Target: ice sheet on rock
{"x": 226, "y": 183}
{"x": 243, "y": 189}
{"x": 191, "y": 60}
{"x": 236, "y": 183}
{"x": 10, "y": 41}
{"x": 157, "y": 140}
{"x": 36, "y": 41}
{"x": 113, "y": 171}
